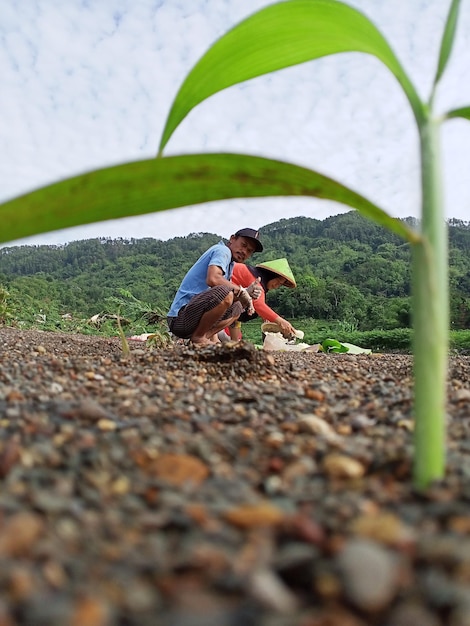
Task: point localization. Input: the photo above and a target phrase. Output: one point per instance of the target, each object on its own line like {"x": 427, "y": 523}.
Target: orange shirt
{"x": 243, "y": 277}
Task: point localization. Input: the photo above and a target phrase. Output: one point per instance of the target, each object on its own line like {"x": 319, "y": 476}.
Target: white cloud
{"x": 86, "y": 85}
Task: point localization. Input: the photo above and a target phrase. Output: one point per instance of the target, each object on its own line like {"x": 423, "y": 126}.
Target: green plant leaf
{"x": 166, "y": 183}
{"x": 332, "y": 345}
{"x": 463, "y": 112}
{"x": 447, "y": 39}
{"x": 279, "y": 36}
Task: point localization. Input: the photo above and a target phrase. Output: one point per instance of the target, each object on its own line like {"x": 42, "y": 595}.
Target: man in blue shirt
{"x": 207, "y": 301}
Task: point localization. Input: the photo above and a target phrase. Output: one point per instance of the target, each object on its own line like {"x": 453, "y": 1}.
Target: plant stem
{"x": 430, "y": 316}
{"x": 124, "y": 344}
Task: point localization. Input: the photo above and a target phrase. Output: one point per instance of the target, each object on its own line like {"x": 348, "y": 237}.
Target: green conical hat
{"x": 281, "y": 267}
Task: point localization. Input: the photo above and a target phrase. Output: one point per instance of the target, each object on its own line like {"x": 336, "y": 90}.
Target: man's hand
{"x": 255, "y": 289}
{"x": 245, "y": 300}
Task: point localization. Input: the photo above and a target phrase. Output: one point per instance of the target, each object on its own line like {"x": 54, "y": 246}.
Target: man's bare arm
{"x": 215, "y": 277}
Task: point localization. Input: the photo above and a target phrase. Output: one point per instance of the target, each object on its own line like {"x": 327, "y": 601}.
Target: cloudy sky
{"x": 89, "y": 84}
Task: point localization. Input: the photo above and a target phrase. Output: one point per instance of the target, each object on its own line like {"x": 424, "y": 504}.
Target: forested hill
{"x": 346, "y": 267}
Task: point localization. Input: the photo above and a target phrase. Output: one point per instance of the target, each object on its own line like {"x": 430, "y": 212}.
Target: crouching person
{"x": 207, "y": 301}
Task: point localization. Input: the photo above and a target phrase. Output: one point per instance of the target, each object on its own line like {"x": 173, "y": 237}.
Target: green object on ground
{"x": 332, "y": 345}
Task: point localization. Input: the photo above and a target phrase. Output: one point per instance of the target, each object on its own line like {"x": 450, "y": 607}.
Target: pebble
{"x": 268, "y": 589}
{"x": 342, "y": 466}
{"x": 19, "y": 533}
{"x": 178, "y": 469}
{"x": 254, "y": 515}
{"x": 384, "y": 527}
{"x": 370, "y": 574}
{"x": 315, "y": 425}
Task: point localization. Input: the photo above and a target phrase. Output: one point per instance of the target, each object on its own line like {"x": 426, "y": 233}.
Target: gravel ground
{"x": 223, "y": 486}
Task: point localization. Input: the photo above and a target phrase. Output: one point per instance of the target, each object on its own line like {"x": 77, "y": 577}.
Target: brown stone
{"x": 314, "y": 394}
{"x": 179, "y": 469}
{"x": 90, "y": 611}
{"x": 14, "y": 396}
{"x": 9, "y": 456}
{"x": 342, "y": 466}
{"x": 383, "y": 527}
{"x": 253, "y": 515}
{"x": 19, "y": 533}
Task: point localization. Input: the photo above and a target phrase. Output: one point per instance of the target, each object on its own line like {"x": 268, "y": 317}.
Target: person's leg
{"x": 224, "y": 323}
{"x": 236, "y": 331}
{"x": 195, "y": 319}
{"x": 231, "y": 315}
{"x": 211, "y": 321}
{"x": 216, "y": 328}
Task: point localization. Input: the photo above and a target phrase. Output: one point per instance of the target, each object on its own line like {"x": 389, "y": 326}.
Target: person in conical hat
{"x": 271, "y": 275}
{"x": 279, "y": 268}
